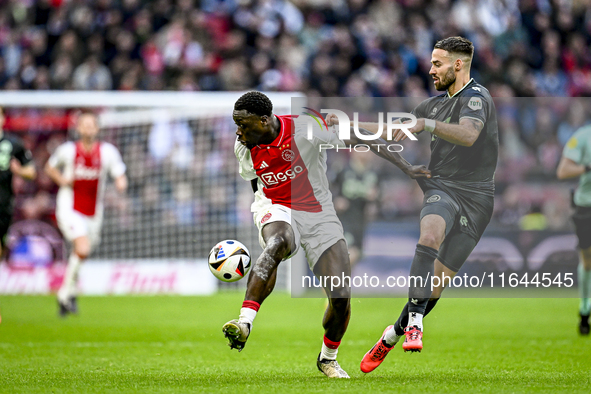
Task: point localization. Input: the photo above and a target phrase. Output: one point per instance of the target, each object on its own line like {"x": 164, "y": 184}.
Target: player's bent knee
{"x": 81, "y": 255}
{"x": 431, "y": 240}
{"x": 278, "y": 245}
{"x": 340, "y": 305}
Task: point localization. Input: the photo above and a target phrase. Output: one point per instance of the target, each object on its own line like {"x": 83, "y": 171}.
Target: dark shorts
{"x": 5, "y": 218}
{"x": 466, "y": 216}
{"x": 582, "y": 220}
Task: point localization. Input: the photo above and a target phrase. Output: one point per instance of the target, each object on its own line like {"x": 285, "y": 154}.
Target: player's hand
{"x": 399, "y": 135}
{"x": 415, "y": 172}
{"x": 332, "y": 119}
{"x": 15, "y": 166}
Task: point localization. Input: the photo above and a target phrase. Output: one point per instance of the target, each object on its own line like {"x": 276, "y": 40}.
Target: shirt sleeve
{"x": 575, "y": 147}
{"x": 58, "y": 158}
{"x": 245, "y": 166}
{"x": 22, "y": 154}
{"x": 419, "y": 110}
{"x": 474, "y": 106}
{"x": 116, "y": 165}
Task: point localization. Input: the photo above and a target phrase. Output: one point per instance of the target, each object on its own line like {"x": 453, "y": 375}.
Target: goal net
{"x": 184, "y": 193}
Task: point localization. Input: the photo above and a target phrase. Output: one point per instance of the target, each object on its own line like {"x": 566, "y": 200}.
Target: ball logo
{"x": 288, "y": 155}
{"x": 266, "y": 217}
{"x": 434, "y": 198}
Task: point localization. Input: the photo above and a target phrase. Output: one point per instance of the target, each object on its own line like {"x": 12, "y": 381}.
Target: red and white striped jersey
{"x": 291, "y": 170}
{"x": 89, "y": 170}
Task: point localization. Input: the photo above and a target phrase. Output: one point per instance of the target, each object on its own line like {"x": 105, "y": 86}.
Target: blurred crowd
{"x": 324, "y": 47}
{"x": 525, "y": 50}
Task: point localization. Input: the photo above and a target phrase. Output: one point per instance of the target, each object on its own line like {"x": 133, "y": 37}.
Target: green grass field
{"x": 175, "y": 344}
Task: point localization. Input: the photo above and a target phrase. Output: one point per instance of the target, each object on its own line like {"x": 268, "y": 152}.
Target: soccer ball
{"x": 229, "y": 261}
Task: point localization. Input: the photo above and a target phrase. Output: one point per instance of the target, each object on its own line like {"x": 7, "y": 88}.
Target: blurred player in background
{"x": 357, "y": 188}
{"x": 80, "y": 170}
{"x": 15, "y": 159}
{"x": 459, "y": 198}
{"x": 576, "y": 162}
{"x": 293, "y": 207}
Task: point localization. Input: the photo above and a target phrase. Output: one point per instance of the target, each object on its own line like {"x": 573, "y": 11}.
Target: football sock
{"x": 329, "y": 349}
{"x": 391, "y": 337}
{"x": 430, "y": 305}
{"x": 416, "y": 319}
{"x": 68, "y": 288}
{"x": 402, "y": 321}
{"x": 248, "y": 312}
{"x": 584, "y": 289}
{"x": 422, "y": 267}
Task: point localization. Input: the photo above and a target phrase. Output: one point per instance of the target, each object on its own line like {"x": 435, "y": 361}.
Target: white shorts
{"x": 73, "y": 225}
{"x": 314, "y": 231}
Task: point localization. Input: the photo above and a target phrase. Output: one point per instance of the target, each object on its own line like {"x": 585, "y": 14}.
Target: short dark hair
{"x": 457, "y": 45}
{"x": 256, "y": 103}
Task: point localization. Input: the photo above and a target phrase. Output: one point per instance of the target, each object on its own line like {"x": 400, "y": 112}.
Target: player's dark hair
{"x": 255, "y": 103}
{"x": 86, "y": 111}
{"x": 457, "y": 45}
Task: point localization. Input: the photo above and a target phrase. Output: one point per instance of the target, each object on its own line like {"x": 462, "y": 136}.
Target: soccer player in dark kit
{"x": 15, "y": 159}
{"x": 459, "y": 197}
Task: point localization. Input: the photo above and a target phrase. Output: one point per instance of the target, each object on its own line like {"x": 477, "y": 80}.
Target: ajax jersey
{"x": 291, "y": 170}
{"x": 89, "y": 170}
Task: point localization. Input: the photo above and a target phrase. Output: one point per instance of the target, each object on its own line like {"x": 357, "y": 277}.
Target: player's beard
{"x": 448, "y": 79}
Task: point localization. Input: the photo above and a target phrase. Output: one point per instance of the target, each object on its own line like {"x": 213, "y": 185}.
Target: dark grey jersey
{"x": 473, "y": 167}
{"x": 10, "y": 147}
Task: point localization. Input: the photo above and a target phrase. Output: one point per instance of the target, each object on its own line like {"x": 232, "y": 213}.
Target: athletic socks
{"x": 422, "y": 270}
{"x": 68, "y": 288}
{"x": 391, "y": 337}
{"x": 402, "y": 321}
{"x": 584, "y": 290}
{"x": 415, "y": 320}
{"x": 329, "y": 349}
{"x": 248, "y": 312}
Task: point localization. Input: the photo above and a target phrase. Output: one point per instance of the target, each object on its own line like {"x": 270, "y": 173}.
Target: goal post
{"x": 185, "y": 193}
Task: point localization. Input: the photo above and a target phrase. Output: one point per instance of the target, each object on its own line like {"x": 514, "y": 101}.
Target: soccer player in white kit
{"x": 80, "y": 169}
{"x": 293, "y": 207}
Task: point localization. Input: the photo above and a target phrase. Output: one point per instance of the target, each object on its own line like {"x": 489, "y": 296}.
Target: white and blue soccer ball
{"x": 229, "y": 261}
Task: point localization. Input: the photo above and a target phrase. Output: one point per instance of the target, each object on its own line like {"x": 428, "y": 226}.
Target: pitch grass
{"x": 174, "y": 344}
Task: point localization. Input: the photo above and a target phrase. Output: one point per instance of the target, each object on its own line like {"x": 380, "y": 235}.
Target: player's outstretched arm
{"x": 379, "y": 148}
{"x": 26, "y": 171}
{"x": 464, "y": 134}
{"x": 373, "y": 127}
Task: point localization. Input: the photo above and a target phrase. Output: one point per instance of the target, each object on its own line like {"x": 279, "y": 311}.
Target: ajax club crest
{"x": 287, "y": 154}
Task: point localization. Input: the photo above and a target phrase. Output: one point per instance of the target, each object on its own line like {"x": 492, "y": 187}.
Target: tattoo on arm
{"x": 477, "y": 124}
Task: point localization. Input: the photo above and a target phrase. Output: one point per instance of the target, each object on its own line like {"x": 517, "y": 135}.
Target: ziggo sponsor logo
{"x": 271, "y": 178}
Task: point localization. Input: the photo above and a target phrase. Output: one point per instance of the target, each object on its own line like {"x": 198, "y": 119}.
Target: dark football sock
{"x": 422, "y": 271}
{"x": 430, "y": 305}
{"x": 402, "y": 321}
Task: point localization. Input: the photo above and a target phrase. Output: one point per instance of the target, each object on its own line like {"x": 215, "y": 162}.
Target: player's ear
{"x": 458, "y": 65}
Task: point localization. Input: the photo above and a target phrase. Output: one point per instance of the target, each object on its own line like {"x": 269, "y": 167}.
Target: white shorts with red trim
{"x": 314, "y": 231}
{"x": 73, "y": 225}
